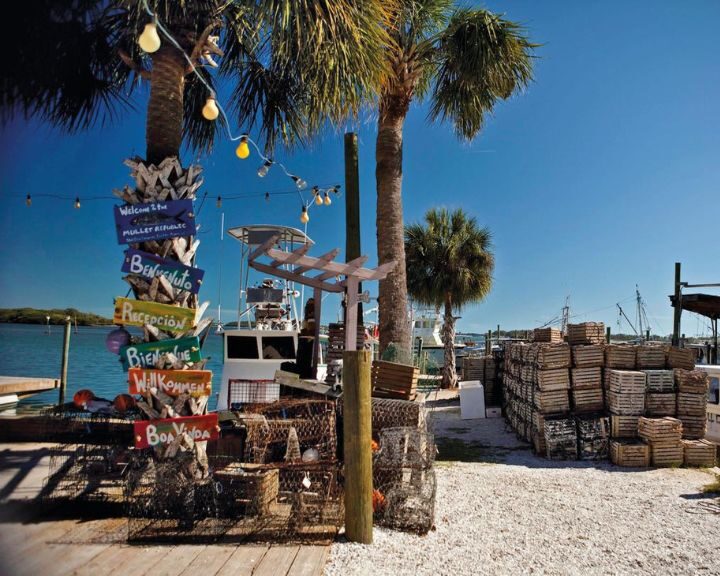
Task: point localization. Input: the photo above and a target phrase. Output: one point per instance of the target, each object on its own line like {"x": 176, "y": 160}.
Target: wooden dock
{"x": 24, "y": 386}
{"x": 33, "y": 544}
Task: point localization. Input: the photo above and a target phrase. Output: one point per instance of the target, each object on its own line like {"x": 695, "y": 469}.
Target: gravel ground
{"x": 501, "y": 510}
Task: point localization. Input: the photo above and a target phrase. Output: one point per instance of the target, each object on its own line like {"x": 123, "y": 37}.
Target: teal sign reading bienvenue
{"x": 147, "y": 355}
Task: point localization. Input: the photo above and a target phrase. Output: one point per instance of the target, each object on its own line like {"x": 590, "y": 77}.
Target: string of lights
{"x": 150, "y": 41}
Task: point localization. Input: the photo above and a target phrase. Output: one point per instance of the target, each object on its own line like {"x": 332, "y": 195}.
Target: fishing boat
{"x": 268, "y": 328}
{"x": 427, "y": 325}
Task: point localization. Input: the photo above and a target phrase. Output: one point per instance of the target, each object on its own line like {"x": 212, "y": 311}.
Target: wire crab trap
{"x": 392, "y": 413}
{"x": 593, "y": 437}
{"x": 404, "y": 480}
{"x": 93, "y": 460}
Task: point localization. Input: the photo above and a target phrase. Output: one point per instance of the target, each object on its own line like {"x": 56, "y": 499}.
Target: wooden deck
{"x": 22, "y": 385}
{"x": 32, "y": 544}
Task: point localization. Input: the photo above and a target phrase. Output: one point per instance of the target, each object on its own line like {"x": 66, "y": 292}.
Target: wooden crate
{"x": 586, "y": 333}
{"x": 681, "y": 358}
{"x": 588, "y": 400}
{"x": 692, "y": 381}
{"x": 586, "y": 378}
{"x": 691, "y": 410}
{"x": 627, "y": 382}
{"x": 660, "y": 404}
{"x": 630, "y": 453}
{"x": 660, "y": 380}
{"x": 547, "y": 335}
{"x": 699, "y": 453}
{"x": 391, "y": 380}
{"x": 246, "y": 488}
{"x": 650, "y": 357}
{"x": 553, "y": 402}
{"x": 588, "y": 355}
{"x": 557, "y": 379}
{"x": 621, "y": 356}
{"x": 660, "y": 430}
{"x": 624, "y": 426}
{"x": 626, "y": 404}
{"x": 551, "y": 356}
{"x": 665, "y": 455}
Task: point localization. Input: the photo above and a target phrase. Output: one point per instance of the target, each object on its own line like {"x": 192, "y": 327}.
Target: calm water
{"x": 27, "y": 350}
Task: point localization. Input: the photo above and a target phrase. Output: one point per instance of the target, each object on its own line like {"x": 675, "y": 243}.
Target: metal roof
{"x": 257, "y": 233}
{"x": 703, "y": 304}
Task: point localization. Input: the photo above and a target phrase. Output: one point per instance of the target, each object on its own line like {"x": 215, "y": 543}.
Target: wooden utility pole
{"x": 357, "y": 434}
{"x": 352, "y": 206}
{"x": 64, "y": 361}
{"x": 678, "y": 307}
{"x": 488, "y": 343}
{"x": 607, "y": 335}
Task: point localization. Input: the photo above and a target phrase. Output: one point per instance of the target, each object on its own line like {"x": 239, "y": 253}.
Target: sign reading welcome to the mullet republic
{"x": 172, "y": 382}
{"x": 154, "y": 221}
{"x": 181, "y": 277}
{"x": 146, "y": 355}
{"x": 149, "y": 433}
{"x": 164, "y": 316}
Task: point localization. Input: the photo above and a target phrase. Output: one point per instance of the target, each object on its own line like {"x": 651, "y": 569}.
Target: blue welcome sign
{"x": 154, "y": 221}
{"x": 181, "y": 277}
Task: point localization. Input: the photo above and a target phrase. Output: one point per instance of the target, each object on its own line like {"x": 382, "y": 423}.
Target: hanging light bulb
{"x": 267, "y": 196}
{"x": 263, "y": 170}
{"x": 28, "y": 200}
{"x": 318, "y": 197}
{"x": 149, "y": 40}
{"x": 243, "y": 150}
{"x": 219, "y": 202}
{"x": 304, "y": 217}
{"x": 210, "y": 110}
{"x": 327, "y": 199}
{"x": 299, "y": 182}
{"x": 77, "y": 202}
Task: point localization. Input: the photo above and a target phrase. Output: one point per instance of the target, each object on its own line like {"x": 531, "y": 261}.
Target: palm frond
{"x": 481, "y": 58}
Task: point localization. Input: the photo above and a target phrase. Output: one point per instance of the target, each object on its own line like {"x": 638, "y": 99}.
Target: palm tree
{"x": 450, "y": 264}
{"x": 464, "y": 61}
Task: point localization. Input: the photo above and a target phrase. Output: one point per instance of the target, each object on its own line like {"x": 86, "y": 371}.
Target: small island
{"x": 56, "y": 316}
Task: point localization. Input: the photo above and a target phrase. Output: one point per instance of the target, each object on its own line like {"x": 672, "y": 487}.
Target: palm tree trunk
{"x": 392, "y": 302}
{"x": 449, "y": 375}
{"x": 163, "y": 130}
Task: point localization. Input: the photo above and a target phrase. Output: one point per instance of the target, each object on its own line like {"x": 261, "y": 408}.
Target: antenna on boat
{"x": 222, "y": 229}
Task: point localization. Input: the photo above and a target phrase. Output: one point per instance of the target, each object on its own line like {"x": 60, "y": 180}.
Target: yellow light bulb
{"x": 77, "y": 202}
{"x": 327, "y": 199}
{"x": 318, "y": 199}
{"x": 304, "y": 217}
{"x": 149, "y": 39}
{"x": 210, "y": 110}
{"x": 243, "y": 150}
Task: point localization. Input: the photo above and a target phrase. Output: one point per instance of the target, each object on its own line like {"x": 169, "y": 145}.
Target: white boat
{"x": 427, "y": 324}
{"x": 267, "y": 330}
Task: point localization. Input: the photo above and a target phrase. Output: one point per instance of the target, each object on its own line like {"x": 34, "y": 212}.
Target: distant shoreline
{"x": 56, "y": 317}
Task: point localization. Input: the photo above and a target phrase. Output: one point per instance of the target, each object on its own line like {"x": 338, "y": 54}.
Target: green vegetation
{"x": 57, "y": 316}
{"x": 713, "y": 487}
{"x": 449, "y": 263}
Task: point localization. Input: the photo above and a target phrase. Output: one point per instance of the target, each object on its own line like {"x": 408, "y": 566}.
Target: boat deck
{"x": 31, "y": 543}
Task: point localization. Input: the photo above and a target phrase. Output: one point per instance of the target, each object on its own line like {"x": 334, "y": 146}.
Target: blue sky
{"x": 599, "y": 177}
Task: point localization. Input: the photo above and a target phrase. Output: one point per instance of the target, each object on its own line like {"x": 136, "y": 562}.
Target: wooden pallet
{"x": 692, "y": 381}
{"x": 681, "y": 358}
{"x": 551, "y": 356}
{"x": 630, "y": 453}
{"x": 650, "y": 357}
{"x": 588, "y": 355}
{"x": 588, "y": 400}
{"x": 586, "y": 333}
{"x": 699, "y": 453}
{"x": 547, "y": 335}
{"x": 660, "y": 404}
{"x": 553, "y": 402}
{"x": 660, "y": 380}
{"x": 665, "y": 455}
{"x": 391, "y": 380}
{"x": 660, "y": 430}
{"x": 621, "y": 356}
{"x": 626, "y": 404}
{"x": 627, "y": 381}
{"x": 586, "y": 378}
{"x": 558, "y": 379}
{"x": 624, "y": 426}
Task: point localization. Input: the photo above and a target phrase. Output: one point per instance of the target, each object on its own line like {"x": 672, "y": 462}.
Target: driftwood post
{"x": 64, "y": 362}
{"x": 357, "y": 424}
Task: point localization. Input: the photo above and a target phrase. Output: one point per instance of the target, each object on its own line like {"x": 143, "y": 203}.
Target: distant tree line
{"x": 57, "y": 316}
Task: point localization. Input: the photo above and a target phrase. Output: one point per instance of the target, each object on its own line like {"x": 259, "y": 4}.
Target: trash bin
{"x": 472, "y": 400}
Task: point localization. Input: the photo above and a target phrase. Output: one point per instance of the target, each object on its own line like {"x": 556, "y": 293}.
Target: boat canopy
{"x": 259, "y": 233}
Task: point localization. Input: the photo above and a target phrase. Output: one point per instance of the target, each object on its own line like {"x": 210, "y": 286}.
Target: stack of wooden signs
{"x": 157, "y": 222}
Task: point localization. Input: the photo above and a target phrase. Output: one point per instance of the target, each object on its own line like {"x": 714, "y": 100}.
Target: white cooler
{"x": 472, "y": 400}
